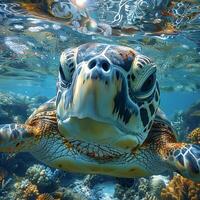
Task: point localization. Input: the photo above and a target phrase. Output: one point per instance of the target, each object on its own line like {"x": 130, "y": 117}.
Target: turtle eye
{"x": 62, "y": 75}
{"x": 149, "y": 83}
{"x": 67, "y": 66}
{"x": 66, "y": 73}
{"x": 142, "y": 77}
{"x": 147, "y": 87}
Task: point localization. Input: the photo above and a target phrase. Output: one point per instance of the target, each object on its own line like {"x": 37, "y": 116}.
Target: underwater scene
{"x": 99, "y": 99}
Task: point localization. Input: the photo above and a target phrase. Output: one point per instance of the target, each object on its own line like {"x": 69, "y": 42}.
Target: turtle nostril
{"x": 105, "y": 66}
{"x": 92, "y": 64}
{"x": 99, "y": 64}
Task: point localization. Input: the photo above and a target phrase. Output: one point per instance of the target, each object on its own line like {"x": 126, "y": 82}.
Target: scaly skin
{"x": 41, "y": 137}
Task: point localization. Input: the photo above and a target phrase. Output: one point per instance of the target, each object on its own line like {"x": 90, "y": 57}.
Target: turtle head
{"x": 106, "y": 95}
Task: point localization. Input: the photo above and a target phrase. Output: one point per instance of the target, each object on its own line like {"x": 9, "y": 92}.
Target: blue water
{"x": 168, "y": 32}
{"x": 178, "y": 101}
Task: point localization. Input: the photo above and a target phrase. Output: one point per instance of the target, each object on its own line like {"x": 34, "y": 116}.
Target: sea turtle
{"x": 104, "y": 119}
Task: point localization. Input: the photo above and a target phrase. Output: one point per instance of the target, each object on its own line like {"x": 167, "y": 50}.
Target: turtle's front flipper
{"x": 183, "y": 158}
{"x": 13, "y": 138}
{"x": 23, "y": 137}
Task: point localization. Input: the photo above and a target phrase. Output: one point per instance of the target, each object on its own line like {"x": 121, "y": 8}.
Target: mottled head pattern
{"x": 106, "y": 94}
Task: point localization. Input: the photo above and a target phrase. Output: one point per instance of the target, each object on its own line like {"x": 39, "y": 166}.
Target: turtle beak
{"x": 97, "y": 106}
{"x": 92, "y": 90}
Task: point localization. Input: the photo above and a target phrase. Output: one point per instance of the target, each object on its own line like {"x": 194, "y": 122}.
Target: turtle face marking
{"x": 106, "y": 94}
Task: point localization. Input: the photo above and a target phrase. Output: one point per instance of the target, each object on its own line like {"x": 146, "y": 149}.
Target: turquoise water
{"x": 166, "y": 31}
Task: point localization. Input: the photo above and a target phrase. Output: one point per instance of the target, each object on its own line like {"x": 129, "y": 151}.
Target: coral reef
{"x": 45, "y": 178}
{"x": 92, "y": 180}
{"x": 142, "y": 188}
{"x": 157, "y": 183}
{"x": 92, "y": 187}
{"x": 45, "y": 196}
{"x": 181, "y": 188}
{"x": 194, "y": 136}
{"x": 4, "y": 181}
{"x": 25, "y": 190}
{"x": 65, "y": 193}
{"x": 83, "y": 189}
